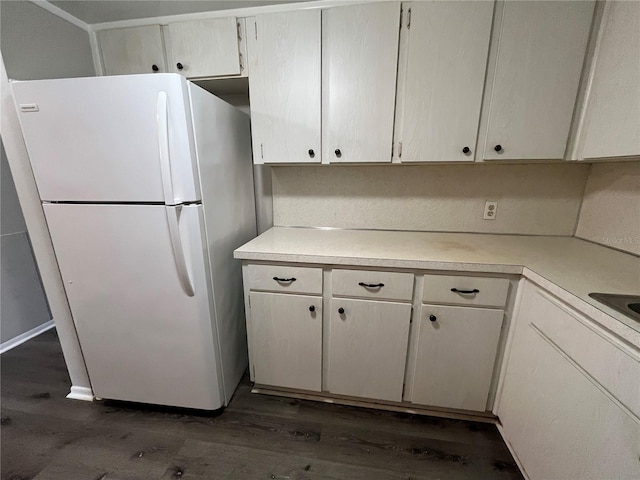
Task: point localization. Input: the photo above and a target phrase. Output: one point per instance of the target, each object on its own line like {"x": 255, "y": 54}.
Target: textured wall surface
{"x": 610, "y": 212}
{"x": 37, "y": 44}
{"x": 542, "y": 199}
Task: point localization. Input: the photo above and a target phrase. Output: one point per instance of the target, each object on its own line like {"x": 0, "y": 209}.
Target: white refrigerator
{"x": 146, "y": 183}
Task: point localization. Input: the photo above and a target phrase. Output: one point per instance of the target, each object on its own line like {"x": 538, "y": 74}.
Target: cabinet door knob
{"x": 433, "y": 318}
{"x": 341, "y": 310}
{"x": 498, "y": 148}
{"x": 338, "y": 153}
{"x": 466, "y": 150}
{"x": 312, "y": 153}
{"x": 312, "y": 308}
{"x": 179, "y": 66}
{"x": 154, "y": 67}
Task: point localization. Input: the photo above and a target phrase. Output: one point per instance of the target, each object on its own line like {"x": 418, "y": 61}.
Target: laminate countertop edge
{"x": 567, "y": 267}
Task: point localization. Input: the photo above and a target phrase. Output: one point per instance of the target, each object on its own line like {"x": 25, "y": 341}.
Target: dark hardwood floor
{"x": 47, "y": 437}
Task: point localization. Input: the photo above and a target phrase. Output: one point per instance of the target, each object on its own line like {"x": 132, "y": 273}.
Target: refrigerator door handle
{"x": 162, "y": 120}
{"x": 179, "y": 255}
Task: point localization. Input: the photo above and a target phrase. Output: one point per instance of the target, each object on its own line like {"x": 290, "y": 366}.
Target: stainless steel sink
{"x": 626, "y": 304}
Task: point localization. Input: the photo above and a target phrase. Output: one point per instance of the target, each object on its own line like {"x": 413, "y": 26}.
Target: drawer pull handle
{"x": 292, "y": 279}
{"x": 475, "y": 290}
{"x": 371, "y": 285}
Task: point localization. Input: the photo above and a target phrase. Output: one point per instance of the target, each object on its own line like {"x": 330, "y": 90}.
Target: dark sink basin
{"x": 635, "y": 307}
{"x": 626, "y": 304}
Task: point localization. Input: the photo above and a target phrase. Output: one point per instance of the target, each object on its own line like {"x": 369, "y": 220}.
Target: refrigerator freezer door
{"x": 146, "y": 337}
{"x": 120, "y": 139}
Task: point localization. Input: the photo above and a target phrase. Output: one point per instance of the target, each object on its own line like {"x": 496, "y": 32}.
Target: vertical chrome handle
{"x": 162, "y": 121}
{"x": 179, "y": 256}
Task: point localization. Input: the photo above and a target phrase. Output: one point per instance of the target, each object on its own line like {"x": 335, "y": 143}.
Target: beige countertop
{"x": 569, "y": 267}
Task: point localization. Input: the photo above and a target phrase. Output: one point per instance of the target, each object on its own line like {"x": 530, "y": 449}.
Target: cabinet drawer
{"x": 368, "y": 284}
{"x": 483, "y": 292}
{"x": 615, "y": 368}
{"x": 283, "y": 278}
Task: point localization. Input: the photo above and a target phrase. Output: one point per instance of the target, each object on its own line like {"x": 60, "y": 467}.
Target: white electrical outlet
{"x": 490, "y": 210}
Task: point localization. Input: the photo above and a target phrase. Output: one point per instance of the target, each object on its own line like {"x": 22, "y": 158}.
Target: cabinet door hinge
{"x": 408, "y": 19}
{"x": 399, "y": 149}
{"x": 401, "y": 14}
{"x": 255, "y": 24}
{"x": 261, "y": 151}
{"x": 239, "y": 30}
{"x": 241, "y": 63}
{"x": 253, "y": 372}
{"x": 403, "y": 388}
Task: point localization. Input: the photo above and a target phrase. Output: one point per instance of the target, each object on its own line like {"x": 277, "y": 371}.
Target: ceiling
{"x": 99, "y": 11}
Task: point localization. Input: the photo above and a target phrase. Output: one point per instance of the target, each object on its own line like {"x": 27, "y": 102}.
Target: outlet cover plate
{"x": 490, "y": 210}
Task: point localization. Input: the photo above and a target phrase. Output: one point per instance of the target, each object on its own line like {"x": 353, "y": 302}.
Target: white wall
{"x": 538, "y": 199}
{"x": 22, "y": 302}
{"x": 610, "y": 212}
{"x": 37, "y": 44}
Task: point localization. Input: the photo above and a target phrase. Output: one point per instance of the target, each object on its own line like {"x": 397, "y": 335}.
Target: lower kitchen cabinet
{"x": 570, "y": 397}
{"x": 286, "y": 340}
{"x": 455, "y": 356}
{"x": 367, "y": 348}
{"x": 358, "y": 345}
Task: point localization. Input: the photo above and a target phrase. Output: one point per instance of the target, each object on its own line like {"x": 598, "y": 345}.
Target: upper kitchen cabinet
{"x": 359, "y": 65}
{"x": 132, "y": 50}
{"x": 444, "y": 48}
{"x": 196, "y": 49}
{"x": 284, "y": 57}
{"x": 612, "y": 119}
{"x": 533, "y": 84}
{"x": 204, "y": 48}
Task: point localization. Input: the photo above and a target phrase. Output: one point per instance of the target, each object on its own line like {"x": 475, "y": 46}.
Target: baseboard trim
{"x": 390, "y": 406}
{"x": 512, "y": 451}
{"x": 81, "y": 393}
{"x": 23, "y": 337}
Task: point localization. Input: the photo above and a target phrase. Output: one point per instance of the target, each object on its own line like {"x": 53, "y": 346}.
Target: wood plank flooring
{"x": 47, "y": 437}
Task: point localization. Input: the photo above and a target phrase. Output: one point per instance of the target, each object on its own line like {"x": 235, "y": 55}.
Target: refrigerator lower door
{"x": 117, "y": 139}
{"x": 138, "y": 286}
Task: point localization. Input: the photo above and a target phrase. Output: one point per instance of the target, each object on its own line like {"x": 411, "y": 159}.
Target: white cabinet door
{"x": 440, "y": 86}
{"x": 359, "y": 65}
{"x": 204, "y": 48}
{"x": 612, "y": 123}
{"x": 286, "y": 337}
{"x": 559, "y": 420}
{"x": 367, "y": 348}
{"x": 456, "y": 354}
{"x": 285, "y": 87}
{"x": 132, "y": 50}
{"x": 540, "y": 53}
